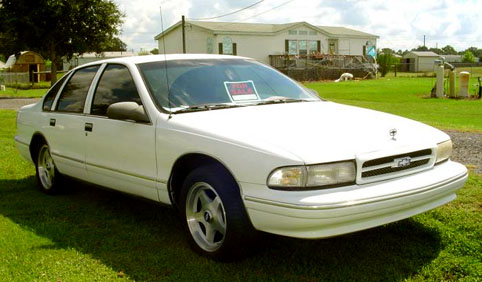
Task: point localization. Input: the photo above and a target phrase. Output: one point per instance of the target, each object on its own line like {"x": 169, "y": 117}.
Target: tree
{"x": 476, "y": 51}
{"x": 437, "y": 51}
{"x": 155, "y": 51}
{"x": 449, "y": 50}
{"x": 420, "y": 48}
{"x": 386, "y": 60}
{"x": 468, "y": 57}
{"x": 58, "y": 28}
{"x": 115, "y": 45}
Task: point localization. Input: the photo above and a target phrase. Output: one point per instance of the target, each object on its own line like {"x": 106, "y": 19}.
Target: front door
{"x": 120, "y": 154}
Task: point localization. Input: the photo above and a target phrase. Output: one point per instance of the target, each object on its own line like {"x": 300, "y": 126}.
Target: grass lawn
{"x": 408, "y": 97}
{"x": 88, "y": 234}
{"x": 29, "y": 93}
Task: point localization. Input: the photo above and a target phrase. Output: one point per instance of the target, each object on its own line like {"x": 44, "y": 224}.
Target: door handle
{"x": 52, "y": 122}
{"x": 88, "y": 126}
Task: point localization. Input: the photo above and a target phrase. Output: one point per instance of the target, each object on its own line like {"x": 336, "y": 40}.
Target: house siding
{"x": 256, "y": 46}
{"x": 426, "y": 63}
{"x": 421, "y": 63}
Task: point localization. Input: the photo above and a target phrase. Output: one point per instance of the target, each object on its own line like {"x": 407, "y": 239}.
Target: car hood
{"x": 314, "y": 132}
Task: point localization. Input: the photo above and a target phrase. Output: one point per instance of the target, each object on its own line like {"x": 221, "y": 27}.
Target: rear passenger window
{"x": 50, "y": 97}
{"x": 72, "y": 98}
{"x": 115, "y": 85}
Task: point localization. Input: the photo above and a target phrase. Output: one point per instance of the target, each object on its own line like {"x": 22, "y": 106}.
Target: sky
{"x": 400, "y": 24}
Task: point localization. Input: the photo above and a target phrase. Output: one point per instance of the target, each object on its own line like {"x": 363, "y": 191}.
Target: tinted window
{"x": 75, "y": 91}
{"x": 50, "y": 97}
{"x": 115, "y": 85}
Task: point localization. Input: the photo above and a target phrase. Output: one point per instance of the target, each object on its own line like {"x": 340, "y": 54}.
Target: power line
{"x": 264, "y": 12}
{"x": 228, "y": 14}
{"x": 269, "y": 10}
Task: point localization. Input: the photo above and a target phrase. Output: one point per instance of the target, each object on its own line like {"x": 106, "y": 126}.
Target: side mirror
{"x": 127, "y": 111}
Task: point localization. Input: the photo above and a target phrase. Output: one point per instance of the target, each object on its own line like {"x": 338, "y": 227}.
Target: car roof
{"x": 157, "y": 58}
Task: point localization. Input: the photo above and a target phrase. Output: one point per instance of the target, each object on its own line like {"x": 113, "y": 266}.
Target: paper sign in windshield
{"x": 241, "y": 90}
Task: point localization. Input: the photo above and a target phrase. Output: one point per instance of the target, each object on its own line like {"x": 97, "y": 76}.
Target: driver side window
{"x": 115, "y": 85}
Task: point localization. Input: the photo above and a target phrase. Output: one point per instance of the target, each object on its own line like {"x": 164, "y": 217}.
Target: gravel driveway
{"x": 467, "y": 149}
{"x": 467, "y": 145}
{"x": 15, "y": 104}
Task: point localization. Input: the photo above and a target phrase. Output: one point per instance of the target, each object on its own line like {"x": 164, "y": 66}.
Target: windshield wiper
{"x": 280, "y": 100}
{"x": 207, "y": 107}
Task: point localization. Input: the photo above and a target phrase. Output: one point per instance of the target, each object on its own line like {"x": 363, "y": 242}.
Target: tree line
{"x": 469, "y": 55}
{"x": 386, "y": 60}
{"x": 59, "y": 28}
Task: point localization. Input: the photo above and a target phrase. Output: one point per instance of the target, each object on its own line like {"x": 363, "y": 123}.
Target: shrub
{"x": 385, "y": 62}
{"x": 468, "y": 57}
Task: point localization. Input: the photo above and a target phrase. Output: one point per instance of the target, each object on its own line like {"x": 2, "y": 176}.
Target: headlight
{"x": 287, "y": 177}
{"x": 444, "y": 151}
{"x": 331, "y": 174}
{"x": 306, "y": 177}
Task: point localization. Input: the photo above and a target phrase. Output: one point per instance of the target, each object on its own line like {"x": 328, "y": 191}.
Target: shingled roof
{"x": 234, "y": 27}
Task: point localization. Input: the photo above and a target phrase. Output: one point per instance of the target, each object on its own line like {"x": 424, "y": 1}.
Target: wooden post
{"x": 183, "y": 35}
{"x": 451, "y": 83}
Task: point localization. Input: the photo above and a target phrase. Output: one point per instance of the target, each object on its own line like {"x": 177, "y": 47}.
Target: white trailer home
{"x": 259, "y": 41}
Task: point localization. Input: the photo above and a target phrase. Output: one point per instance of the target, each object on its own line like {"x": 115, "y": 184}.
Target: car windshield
{"x": 209, "y": 83}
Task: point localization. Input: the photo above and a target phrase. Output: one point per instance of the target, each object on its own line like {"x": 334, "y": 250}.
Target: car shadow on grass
{"x": 146, "y": 241}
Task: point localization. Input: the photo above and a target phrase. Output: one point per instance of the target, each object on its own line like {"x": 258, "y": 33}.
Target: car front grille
{"x": 396, "y": 163}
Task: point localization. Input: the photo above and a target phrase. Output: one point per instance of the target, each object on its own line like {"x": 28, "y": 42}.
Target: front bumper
{"x": 331, "y": 212}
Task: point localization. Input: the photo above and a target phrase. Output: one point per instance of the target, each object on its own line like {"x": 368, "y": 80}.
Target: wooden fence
{"x": 8, "y": 78}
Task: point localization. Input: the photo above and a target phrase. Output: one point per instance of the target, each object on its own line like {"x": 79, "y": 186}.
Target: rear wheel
{"x": 214, "y": 214}
{"x": 48, "y": 177}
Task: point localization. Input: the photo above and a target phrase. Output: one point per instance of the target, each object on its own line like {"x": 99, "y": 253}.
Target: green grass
{"x": 19, "y": 93}
{"x": 408, "y": 97}
{"x": 89, "y": 234}
{"x": 27, "y": 90}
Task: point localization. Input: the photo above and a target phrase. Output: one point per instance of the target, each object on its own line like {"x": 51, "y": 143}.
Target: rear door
{"x": 120, "y": 154}
{"x": 66, "y": 123}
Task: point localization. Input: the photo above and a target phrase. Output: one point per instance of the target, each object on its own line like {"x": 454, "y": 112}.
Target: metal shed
{"x": 29, "y": 62}
{"x": 419, "y": 61}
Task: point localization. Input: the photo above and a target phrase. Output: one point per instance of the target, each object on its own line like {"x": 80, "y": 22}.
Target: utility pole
{"x": 184, "y": 36}
{"x": 423, "y": 36}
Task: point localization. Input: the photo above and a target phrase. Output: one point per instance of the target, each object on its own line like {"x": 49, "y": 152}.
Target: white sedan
{"x": 236, "y": 147}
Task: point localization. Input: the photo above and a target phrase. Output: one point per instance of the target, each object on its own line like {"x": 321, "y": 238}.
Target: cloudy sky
{"x": 400, "y": 24}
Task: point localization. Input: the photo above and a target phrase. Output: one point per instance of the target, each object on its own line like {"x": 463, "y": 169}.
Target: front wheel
{"x": 48, "y": 177}
{"x": 214, "y": 214}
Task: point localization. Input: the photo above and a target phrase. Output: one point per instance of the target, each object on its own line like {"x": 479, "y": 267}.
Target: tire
{"x": 48, "y": 177}
{"x": 214, "y": 215}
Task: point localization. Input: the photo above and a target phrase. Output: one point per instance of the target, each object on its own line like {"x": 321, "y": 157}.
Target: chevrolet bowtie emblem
{"x": 402, "y": 162}
{"x": 393, "y": 132}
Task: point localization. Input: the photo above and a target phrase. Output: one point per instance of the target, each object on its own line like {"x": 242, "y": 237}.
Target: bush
{"x": 385, "y": 62}
{"x": 468, "y": 57}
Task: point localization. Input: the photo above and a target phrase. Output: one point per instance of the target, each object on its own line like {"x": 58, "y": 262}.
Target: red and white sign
{"x": 241, "y": 90}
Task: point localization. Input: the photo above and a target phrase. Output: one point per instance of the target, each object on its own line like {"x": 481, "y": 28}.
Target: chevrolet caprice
{"x": 236, "y": 147}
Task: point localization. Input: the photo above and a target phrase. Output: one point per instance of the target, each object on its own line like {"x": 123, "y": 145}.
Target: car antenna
{"x": 165, "y": 66}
